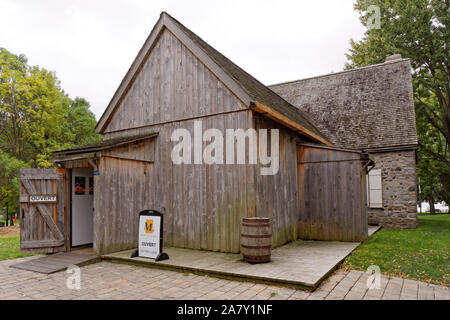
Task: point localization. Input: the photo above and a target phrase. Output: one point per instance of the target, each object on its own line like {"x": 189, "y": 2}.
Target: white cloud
{"x": 91, "y": 44}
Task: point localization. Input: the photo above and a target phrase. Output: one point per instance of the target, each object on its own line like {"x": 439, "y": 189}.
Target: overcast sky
{"x": 92, "y": 43}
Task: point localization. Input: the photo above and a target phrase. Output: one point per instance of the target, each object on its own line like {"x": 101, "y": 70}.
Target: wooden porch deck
{"x": 300, "y": 264}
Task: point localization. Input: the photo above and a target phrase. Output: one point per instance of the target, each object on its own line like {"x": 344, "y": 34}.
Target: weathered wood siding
{"x": 171, "y": 85}
{"x": 204, "y": 204}
{"x": 331, "y": 195}
{"x": 122, "y": 190}
{"x": 276, "y": 195}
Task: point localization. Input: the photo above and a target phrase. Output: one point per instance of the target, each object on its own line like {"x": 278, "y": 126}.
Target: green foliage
{"x": 9, "y": 179}
{"x": 433, "y": 174}
{"x": 30, "y": 109}
{"x": 422, "y": 254}
{"x": 81, "y": 122}
{"x": 418, "y": 30}
{"x": 36, "y": 118}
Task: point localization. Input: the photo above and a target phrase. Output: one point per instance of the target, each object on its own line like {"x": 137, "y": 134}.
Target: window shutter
{"x": 374, "y": 193}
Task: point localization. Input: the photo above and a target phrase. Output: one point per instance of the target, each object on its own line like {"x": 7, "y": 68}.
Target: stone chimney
{"x": 393, "y": 57}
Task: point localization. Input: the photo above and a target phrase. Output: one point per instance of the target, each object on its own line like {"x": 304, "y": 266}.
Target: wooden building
{"x": 176, "y": 80}
{"x": 372, "y": 109}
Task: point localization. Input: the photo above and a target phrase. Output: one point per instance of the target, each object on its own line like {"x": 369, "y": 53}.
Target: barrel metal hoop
{"x": 256, "y": 225}
{"x": 256, "y": 235}
{"x": 256, "y": 258}
{"x": 256, "y": 247}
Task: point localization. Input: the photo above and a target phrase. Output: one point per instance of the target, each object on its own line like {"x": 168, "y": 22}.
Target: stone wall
{"x": 398, "y": 170}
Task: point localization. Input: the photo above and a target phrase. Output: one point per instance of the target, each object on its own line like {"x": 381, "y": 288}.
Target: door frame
{"x": 67, "y": 167}
{"x": 71, "y": 213}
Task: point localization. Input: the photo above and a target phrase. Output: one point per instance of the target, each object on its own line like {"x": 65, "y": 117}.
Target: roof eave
{"x": 282, "y": 119}
{"x": 73, "y": 157}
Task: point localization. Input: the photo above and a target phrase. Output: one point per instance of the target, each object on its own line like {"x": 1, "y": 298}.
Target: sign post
{"x": 150, "y": 236}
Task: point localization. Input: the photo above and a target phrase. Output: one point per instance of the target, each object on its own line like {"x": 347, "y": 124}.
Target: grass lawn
{"x": 3, "y": 220}
{"x": 10, "y": 247}
{"x": 421, "y": 254}
{"x": 10, "y": 243}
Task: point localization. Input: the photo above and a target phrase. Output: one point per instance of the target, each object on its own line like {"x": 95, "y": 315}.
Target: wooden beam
{"x": 311, "y": 145}
{"x": 280, "y": 118}
{"x": 158, "y": 124}
{"x": 80, "y": 156}
{"x": 93, "y": 164}
{"x": 40, "y": 244}
{"x": 129, "y": 159}
{"x": 24, "y": 175}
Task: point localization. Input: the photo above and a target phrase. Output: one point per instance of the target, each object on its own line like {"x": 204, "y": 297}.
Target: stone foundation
{"x": 398, "y": 190}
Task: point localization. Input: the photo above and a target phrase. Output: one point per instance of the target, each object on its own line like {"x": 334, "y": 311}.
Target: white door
{"x": 82, "y": 206}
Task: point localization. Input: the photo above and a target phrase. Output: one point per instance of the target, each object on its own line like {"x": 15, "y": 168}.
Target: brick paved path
{"x": 116, "y": 281}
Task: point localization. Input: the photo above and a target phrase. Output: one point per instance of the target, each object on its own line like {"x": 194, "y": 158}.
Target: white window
{"x": 374, "y": 194}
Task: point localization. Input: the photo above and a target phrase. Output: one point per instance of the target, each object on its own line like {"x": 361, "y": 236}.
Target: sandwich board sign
{"x": 150, "y": 236}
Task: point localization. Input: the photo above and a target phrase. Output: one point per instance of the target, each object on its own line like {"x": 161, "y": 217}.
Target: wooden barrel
{"x": 256, "y": 239}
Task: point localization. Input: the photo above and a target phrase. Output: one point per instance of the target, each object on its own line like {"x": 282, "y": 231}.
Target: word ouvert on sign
{"x": 150, "y": 236}
{"x": 43, "y": 198}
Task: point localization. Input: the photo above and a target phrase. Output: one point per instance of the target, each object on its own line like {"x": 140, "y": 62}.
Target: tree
{"x": 9, "y": 180}
{"x": 418, "y": 30}
{"x": 36, "y": 118}
{"x": 31, "y": 110}
{"x": 81, "y": 122}
{"x": 433, "y": 174}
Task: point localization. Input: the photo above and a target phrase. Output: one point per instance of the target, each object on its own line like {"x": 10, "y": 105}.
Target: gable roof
{"x": 365, "y": 108}
{"x": 250, "y": 91}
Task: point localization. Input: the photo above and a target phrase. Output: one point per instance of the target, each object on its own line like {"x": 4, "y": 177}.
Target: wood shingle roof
{"x": 365, "y": 108}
